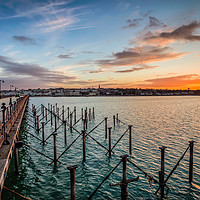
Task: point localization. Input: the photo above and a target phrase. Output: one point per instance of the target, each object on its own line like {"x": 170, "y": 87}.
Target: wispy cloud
{"x": 24, "y": 40}
{"x": 154, "y": 22}
{"x": 141, "y": 67}
{"x": 48, "y": 17}
{"x": 64, "y": 56}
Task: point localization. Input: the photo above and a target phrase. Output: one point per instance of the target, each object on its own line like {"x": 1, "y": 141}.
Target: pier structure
{"x": 12, "y": 116}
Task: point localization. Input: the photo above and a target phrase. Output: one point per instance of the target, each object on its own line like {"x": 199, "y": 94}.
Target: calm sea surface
{"x": 157, "y": 121}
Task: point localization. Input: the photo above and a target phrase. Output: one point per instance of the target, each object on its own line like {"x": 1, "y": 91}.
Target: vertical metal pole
{"x": 65, "y": 131}
{"x": 130, "y": 139}
{"x": 55, "y": 150}
{"x": 84, "y": 152}
{"x": 74, "y": 114}
{"x": 72, "y": 178}
{"x": 191, "y": 144}
{"x": 106, "y": 127}
{"x": 124, "y": 192}
{"x": 109, "y": 132}
{"x": 162, "y": 172}
{"x": 114, "y": 121}
{"x": 43, "y": 133}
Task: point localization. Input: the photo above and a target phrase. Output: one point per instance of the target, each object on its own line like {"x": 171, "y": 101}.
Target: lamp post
{"x": 0, "y": 87}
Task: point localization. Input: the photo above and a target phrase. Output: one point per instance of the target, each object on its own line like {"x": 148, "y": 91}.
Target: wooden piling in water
{"x": 191, "y": 144}
{"x": 43, "y": 139}
{"x": 123, "y": 185}
{"x": 106, "y": 127}
{"x": 68, "y": 113}
{"x": 72, "y": 179}
{"x": 46, "y": 113}
{"x": 65, "y": 131}
{"x": 51, "y": 116}
{"x": 74, "y": 114}
{"x": 63, "y": 113}
{"x": 38, "y": 125}
{"x": 93, "y": 115}
{"x": 109, "y": 132}
{"x": 84, "y": 152}
{"x": 55, "y": 150}
{"x": 82, "y": 114}
{"x": 130, "y": 139}
{"x": 89, "y": 114}
{"x": 70, "y": 122}
{"x": 162, "y": 172}
{"x": 55, "y": 120}
{"x": 114, "y": 121}
{"x": 117, "y": 118}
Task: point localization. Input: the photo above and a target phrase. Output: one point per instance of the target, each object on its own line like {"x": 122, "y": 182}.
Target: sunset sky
{"x": 115, "y": 43}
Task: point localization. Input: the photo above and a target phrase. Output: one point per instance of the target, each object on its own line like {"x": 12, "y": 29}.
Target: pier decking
{"x": 12, "y": 116}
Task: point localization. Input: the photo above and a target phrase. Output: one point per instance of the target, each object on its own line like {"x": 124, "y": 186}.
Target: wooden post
{"x": 16, "y": 153}
{"x": 106, "y": 127}
{"x": 65, "y": 131}
{"x": 114, "y": 121}
{"x": 43, "y": 134}
{"x": 46, "y": 113}
{"x": 63, "y": 113}
{"x": 162, "y": 172}
{"x": 86, "y": 118}
{"x": 55, "y": 150}
{"x": 51, "y": 116}
{"x": 70, "y": 122}
{"x": 48, "y": 106}
{"x": 10, "y": 104}
{"x": 68, "y": 113}
{"x": 130, "y": 139}
{"x": 82, "y": 114}
{"x": 56, "y": 106}
{"x": 191, "y": 144}
{"x": 84, "y": 152}
{"x": 38, "y": 126}
{"x": 109, "y": 132}
{"x": 57, "y": 113}
{"x": 18, "y": 145}
{"x": 89, "y": 114}
{"x": 74, "y": 114}
{"x": 117, "y": 118}
{"x": 93, "y": 113}
{"x": 123, "y": 185}
{"x": 42, "y": 109}
{"x": 55, "y": 121}
{"x": 72, "y": 178}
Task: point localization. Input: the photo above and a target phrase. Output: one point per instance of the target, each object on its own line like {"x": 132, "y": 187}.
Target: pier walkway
{"x": 11, "y": 119}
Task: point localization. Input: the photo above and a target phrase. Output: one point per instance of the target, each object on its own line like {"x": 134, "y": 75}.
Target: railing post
{"x": 55, "y": 150}
{"x": 43, "y": 140}
{"x": 109, "y": 132}
{"x": 191, "y": 144}
{"x": 84, "y": 152}
{"x": 72, "y": 178}
{"x": 123, "y": 185}
{"x": 162, "y": 172}
{"x": 106, "y": 127}
{"x": 130, "y": 139}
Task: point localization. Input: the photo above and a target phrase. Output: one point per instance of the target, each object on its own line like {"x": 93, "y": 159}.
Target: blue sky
{"x": 115, "y": 43}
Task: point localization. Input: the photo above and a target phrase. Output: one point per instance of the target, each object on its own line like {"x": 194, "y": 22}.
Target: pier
{"x": 12, "y": 116}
